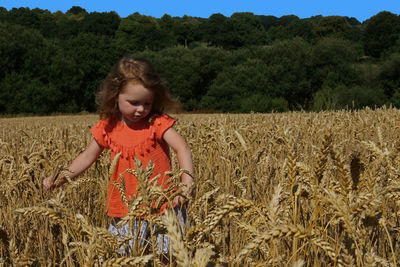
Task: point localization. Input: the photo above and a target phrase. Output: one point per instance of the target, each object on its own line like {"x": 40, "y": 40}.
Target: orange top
{"x": 142, "y": 140}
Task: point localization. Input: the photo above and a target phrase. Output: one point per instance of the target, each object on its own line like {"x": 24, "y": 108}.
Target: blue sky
{"x": 360, "y": 9}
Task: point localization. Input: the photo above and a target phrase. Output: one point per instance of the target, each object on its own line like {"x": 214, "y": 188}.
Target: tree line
{"x": 54, "y": 62}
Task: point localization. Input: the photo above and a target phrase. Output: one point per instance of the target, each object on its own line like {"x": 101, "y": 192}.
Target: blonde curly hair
{"x": 134, "y": 70}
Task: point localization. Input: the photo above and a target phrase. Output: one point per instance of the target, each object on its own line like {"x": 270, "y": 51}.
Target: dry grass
{"x": 293, "y": 189}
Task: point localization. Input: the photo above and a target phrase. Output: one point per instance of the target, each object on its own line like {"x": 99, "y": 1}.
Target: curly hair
{"x": 133, "y": 70}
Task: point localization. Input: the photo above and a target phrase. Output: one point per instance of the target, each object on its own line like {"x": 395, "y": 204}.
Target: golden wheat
{"x": 293, "y": 189}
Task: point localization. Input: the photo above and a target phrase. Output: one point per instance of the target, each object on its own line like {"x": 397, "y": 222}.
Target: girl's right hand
{"x": 48, "y": 183}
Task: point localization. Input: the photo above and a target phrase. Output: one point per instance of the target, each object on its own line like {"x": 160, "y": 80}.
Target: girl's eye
{"x": 133, "y": 103}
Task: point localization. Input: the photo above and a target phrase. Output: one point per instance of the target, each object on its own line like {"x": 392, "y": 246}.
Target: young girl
{"x": 132, "y": 101}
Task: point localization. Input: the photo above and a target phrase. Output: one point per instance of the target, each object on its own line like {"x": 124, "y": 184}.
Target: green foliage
{"x": 288, "y": 70}
{"x": 342, "y": 97}
{"x": 395, "y": 99}
{"x": 389, "y": 75}
{"x": 301, "y": 28}
{"x": 380, "y": 32}
{"x": 24, "y": 94}
{"x": 88, "y": 58}
{"x": 332, "y": 26}
{"x": 325, "y": 99}
{"x": 359, "y": 97}
{"x": 186, "y": 30}
{"x": 241, "y": 29}
{"x": 247, "y": 30}
{"x": 291, "y": 28}
{"x": 76, "y": 10}
{"x": 180, "y": 68}
{"x": 332, "y": 62}
{"x": 217, "y": 31}
{"x": 24, "y": 50}
{"x": 55, "y": 62}
{"x": 277, "y": 33}
{"x": 263, "y": 104}
{"x": 138, "y": 32}
{"x": 105, "y": 23}
{"x": 234, "y": 83}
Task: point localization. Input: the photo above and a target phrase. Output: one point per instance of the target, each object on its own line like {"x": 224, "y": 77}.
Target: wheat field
{"x": 292, "y": 189}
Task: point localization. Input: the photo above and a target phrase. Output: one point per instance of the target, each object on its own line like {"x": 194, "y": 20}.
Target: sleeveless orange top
{"x": 144, "y": 141}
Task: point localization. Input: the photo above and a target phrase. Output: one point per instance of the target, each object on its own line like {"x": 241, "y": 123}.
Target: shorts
{"x": 143, "y": 236}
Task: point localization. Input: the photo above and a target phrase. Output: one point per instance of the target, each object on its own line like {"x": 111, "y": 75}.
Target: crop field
{"x": 291, "y": 189}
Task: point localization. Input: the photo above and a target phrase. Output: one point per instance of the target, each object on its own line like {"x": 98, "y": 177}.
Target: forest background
{"x": 55, "y": 62}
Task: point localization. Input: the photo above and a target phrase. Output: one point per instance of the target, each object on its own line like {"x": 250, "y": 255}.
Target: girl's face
{"x": 135, "y": 102}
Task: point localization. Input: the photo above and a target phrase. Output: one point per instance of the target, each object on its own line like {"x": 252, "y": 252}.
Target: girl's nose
{"x": 140, "y": 108}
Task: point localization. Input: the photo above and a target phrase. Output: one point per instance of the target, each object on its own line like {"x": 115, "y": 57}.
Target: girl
{"x": 132, "y": 100}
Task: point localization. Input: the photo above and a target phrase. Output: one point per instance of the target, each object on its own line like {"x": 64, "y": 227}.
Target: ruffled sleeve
{"x": 162, "y": 123}
{"x": 99, "y": 133}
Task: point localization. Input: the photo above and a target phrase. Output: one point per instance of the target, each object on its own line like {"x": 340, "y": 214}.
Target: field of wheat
{"x": 292, "y": 189}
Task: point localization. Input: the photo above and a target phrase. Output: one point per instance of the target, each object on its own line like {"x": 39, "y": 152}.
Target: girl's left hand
{"x": 180, "y": 201}
{"x": 48, "y": 183}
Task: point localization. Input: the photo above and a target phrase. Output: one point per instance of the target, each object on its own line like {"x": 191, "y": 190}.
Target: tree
{"x": 22, "y": 16}
{"x": 277, "y": 33}
{"x": 263, "y": 104}
{"x": 353, "y": 21}
{"x": 76, "y": 10}
{"x": 68, "y": 25}
{"x": 89, "y": 58}
{"x": 47, "y": 23}
{"x": 268, "y": 21}
{"x": 247, "y": 30}
{"x": 186, "y": 30}
{"x": 389, "y": 75}
{"x": 280, "y": 71}
{"x": 395, "y": 99}
{"x": 24, "y": 71}
{"x": 105, "y": 23}
{"x": 23, "y": 94}
{"x": 332, "y": 63}
{"x": 138, "y": 32}
{"x": 301, "y": 28}
{"x": 180, "y": 68}
{"x": 289, "y": 71}
{"x": 55, "y": 61}
{"x": 332, "y": 26}
{"x": 287, "y": 19}
{"x": 380, "y": 32}
{"x": 23, "y": 50}
{"x": 348, "y": 97}
{"x": 167, "y": 24}
{"x": 234, "y": 83}
{"x": 218, "y": 31}
{"x": 296, "y": 28}
{"x": 212, "y": 61}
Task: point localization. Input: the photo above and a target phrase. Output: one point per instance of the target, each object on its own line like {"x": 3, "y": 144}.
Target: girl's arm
{"x": 182, "y": 150}
{"x": 79, "y": 164}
